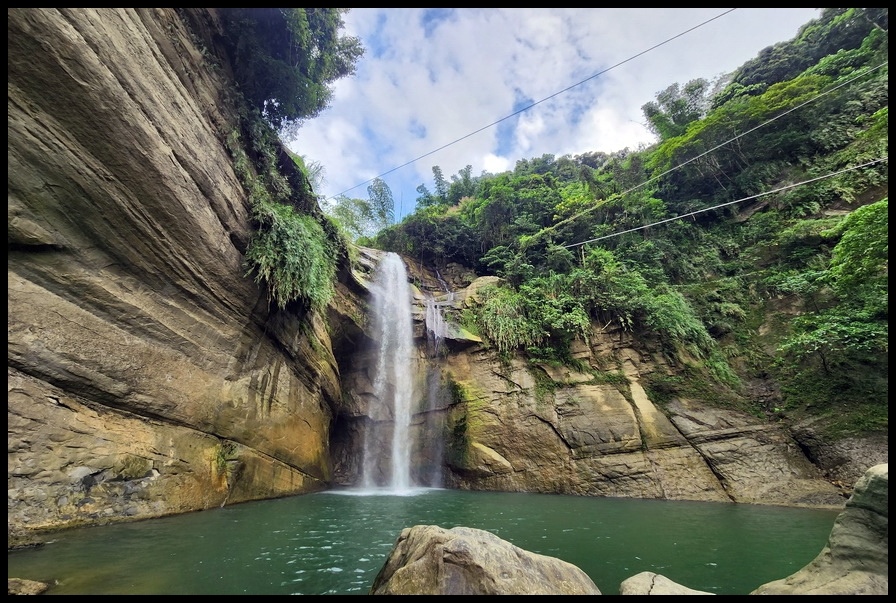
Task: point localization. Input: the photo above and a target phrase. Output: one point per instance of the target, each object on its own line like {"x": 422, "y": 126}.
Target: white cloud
{"x": 433, "y": 82}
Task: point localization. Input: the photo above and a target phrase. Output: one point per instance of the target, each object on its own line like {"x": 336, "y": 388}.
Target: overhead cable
{"x": 715, "y": 148}
{"x": 699, "y": 211}
{"x": 526, "y": 108}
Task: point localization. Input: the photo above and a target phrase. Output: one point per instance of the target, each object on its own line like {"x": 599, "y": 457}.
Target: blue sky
{"x": 433, "y": 81}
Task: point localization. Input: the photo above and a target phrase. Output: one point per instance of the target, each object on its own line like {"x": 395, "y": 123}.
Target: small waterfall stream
{"x": 402, "y": 439}
{"x": 436, "y": 327}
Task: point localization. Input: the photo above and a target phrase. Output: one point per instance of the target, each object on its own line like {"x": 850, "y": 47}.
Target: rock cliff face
{"x": 147, "y": 374}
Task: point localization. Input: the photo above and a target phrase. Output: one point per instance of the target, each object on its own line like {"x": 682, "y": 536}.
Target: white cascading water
{"x": 436, "y": 327}
{"x": 393, "y": 381}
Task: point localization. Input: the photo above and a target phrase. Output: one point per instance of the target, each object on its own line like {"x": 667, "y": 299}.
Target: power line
{"x": 715, "y": 148}
{"x": 694, "y": 213}
{"x": 526, "y": 108}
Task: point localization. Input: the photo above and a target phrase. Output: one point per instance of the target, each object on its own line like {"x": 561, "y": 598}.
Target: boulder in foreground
{"x": 649, "y": 583}
{"x": 429, "y": 560}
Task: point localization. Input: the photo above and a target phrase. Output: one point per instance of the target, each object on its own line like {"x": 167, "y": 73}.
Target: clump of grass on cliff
{"x": 289, "y": 252}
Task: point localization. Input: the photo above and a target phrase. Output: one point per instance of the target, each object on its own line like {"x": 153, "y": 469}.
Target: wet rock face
{"x": 147, "y": 374}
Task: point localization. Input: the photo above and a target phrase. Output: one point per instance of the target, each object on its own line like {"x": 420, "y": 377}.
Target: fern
{"x": 291, "y": 254}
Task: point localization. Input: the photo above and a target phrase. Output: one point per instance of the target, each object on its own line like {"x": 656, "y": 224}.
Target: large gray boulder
{"x": 429, "y": 560}
{"x": 649, "y": 583}
{"x": 855, "y": 560}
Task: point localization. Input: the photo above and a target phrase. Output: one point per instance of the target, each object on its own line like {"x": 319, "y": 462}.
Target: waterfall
{"x": 436, "y": 327}
{"x": 393, "y": 379}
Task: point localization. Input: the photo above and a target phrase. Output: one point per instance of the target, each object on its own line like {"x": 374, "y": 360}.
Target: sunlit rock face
{"x": 147, "y": 373}
{"x": 600, "y": 439}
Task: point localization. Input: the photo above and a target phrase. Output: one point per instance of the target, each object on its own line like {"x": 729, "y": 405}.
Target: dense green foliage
{"x": 284, "y": 59}
{"x": 749, "y": 242}
{"x": 290, "y": 252}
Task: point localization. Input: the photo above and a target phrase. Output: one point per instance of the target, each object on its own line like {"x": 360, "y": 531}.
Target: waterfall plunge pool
{"x": 335, "y": 542}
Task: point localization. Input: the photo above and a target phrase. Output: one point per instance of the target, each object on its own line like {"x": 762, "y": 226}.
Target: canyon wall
{"x": 147, "y": 373}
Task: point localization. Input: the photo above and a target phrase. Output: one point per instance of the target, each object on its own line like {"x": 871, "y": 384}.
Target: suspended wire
{"x": 715, "y": 148}
{"x": 526, "y": 108}
{"x": 694, "y": 213}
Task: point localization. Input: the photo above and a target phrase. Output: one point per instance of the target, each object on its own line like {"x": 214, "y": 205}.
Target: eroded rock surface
{"x": 521, "y": 427}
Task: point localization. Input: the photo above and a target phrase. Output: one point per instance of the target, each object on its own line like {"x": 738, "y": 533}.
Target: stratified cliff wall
{"x": 147, "y": 374}
{"x": 513, "y": 425}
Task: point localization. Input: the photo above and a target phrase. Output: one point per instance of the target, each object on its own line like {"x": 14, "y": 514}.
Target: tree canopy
{"x": 284, "y": 59}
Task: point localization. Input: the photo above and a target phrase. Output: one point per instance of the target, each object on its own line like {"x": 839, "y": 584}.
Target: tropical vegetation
{"x": 748, "y": 244}
{"x": 284, "y": 61}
